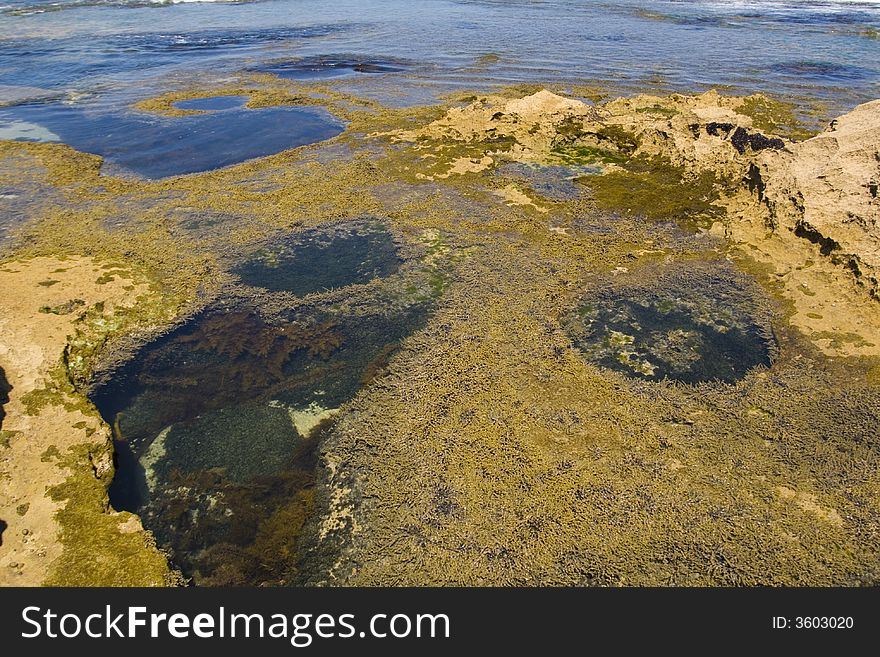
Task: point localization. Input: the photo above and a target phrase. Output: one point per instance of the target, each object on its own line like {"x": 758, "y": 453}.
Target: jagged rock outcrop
{"x": 826, "y": 191}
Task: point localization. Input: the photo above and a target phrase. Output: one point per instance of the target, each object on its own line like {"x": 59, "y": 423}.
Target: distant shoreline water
{"x": 111, "y": 51}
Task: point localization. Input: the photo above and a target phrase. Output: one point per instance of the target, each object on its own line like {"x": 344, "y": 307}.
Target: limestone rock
{"x": 827, "y": 192}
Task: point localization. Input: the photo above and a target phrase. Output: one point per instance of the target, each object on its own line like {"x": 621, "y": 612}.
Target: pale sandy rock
{"x": 827, "y": 191}
{"x": 533, "y": 121}
{"x": 807, "y": 211}
{"x": 31, "y": 345}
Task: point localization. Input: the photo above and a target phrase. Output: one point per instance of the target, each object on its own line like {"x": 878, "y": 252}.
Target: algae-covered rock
{"x": 58, "y": 463}
{"x": 487, "y": 442}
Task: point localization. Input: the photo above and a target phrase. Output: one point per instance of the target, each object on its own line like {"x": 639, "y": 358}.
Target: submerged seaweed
{"x": 213, "y": 425}
{"x": 692, "y": 326}
{"x": 323, "y": 259}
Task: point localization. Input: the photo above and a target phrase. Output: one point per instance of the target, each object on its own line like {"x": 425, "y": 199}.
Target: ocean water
{"x": 70, "y": 70}
{"x": 107, "y": 51}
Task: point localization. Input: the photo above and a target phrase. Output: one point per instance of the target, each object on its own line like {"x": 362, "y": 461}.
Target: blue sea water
{"x": 782, "y": 46}
{"x": 102, "y": 55}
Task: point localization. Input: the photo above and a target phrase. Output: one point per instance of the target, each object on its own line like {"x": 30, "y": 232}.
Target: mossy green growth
{"x": 50, "y": 453}
{"x": 57, "y": 391}
{"x": 659, "y": 110}
{"x": 63, "y": 308}
{"x": 659, "y": 191}
{"x": 776, "y": 117}
{"x": 622, "y": 139}
{"x": 96, "y": 551}
{"x": 611, "y": 144}
{"x": 97, "y": 326}
{"x": 573, "y": 154}
{"x": 439, "y": 262}
{"x": 6, "y": 437}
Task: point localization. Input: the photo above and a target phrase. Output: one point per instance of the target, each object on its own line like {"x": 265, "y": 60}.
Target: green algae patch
{"x": 438, "y": 264}
{"x": 659, "y": 191}
{"x": 98, "y": 327}
{"x": 574, "y": 154}
{"x": 57, "y": 390}
{"x": 100, "y": 548}
{"x": 6, "y": 437}
{"x": 63, "y": 308}
{"x": 165, "y": 105}
{"x": 262, "y": 91}
{"x": 63, "y": 165}
{"x": 775, "y": 117}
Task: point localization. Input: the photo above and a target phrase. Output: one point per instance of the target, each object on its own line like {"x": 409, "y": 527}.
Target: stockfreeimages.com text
{"x": 299, "y": 629}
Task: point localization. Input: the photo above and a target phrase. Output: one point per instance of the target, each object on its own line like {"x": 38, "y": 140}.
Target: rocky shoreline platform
{"x": 647, "y": 348}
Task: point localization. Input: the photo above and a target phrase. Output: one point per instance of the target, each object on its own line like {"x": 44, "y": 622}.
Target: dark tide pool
{"x": 688, "y": 326}
{"x": 323, "y": 259}
{"x": 216, "y": 424}
{"x": 158, "y": 147}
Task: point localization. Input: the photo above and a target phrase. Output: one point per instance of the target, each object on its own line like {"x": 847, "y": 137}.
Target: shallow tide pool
{"x": 158, "y": 147}
{"x": 692, "y": 325}
{"x": 216, "y": 424}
